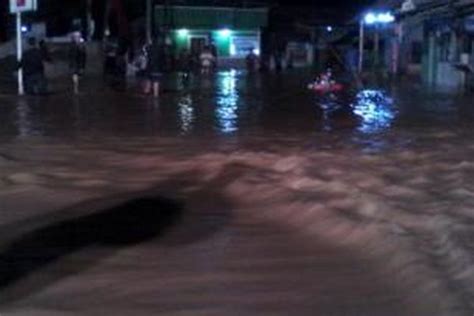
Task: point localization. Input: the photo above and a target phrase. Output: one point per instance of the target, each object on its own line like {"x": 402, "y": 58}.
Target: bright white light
{"x": 256, "y": 51}
{"x": 183, "y": 32}
{"x": 186, "y": 114}
{"x": 374, "y": 18}
{"x": 329, "y": 29}
{"x": 376, "y": 109}
{"x": 225, "y": 33}
{"x": 385, "y": 18}
{"x": 370, "y": 18}
{"x": 233, "y": 49}
{"x": 24, "y": 29}
{"x": 227, "y": 111}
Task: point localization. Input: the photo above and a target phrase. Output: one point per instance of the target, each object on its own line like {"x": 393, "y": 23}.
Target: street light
{"x": 183, "y": 33}
{"x": 385, "y": 18}
{"x": 225, "y": 33}
{"x": 372, "y": 18}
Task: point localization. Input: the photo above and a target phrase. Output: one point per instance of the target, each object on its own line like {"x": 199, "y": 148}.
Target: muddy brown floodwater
{"x": 237, "y": 196}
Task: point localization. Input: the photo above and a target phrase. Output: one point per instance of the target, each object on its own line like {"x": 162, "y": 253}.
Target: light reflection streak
{"x": 375, "y": 109}
{"x": 25, "y": 127}
{"x": 227, "y": 103}
{"x": 186, "y": 114}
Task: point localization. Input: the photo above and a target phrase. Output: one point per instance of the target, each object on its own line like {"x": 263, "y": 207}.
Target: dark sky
{"x": 339, "y": 4}
{"x": 323, "y": 11}
{"x": 332, "y": 10}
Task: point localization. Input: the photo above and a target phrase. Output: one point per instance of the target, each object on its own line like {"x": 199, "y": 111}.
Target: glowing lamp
{"x": 370, "y": 18}
{"x": 378, "y": 18}
{"x": 225, "y": 33}
{"x": 385, "y": 18}
{"x": 183, "y": 33}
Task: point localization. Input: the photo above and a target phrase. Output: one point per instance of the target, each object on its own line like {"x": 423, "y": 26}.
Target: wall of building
{"x": 299, "y": 54}
{"x": 449, "y": 77}
{"x": 429, "y": 44}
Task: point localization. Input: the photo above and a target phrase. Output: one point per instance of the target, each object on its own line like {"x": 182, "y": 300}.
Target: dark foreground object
{"x": 130, "y": 223}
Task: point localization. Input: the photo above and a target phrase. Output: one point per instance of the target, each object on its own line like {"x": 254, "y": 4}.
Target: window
{"x": 242, "y": 45}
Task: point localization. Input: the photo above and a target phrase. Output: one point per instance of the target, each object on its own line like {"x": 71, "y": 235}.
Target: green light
{"x": 225, "y": 33}
{"x": 183, "y": 33}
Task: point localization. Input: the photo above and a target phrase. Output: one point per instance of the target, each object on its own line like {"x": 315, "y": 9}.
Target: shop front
{"x": 234, "y": 32}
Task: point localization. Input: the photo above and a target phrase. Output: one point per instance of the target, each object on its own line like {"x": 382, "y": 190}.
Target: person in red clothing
{"x": 325, "y": 83}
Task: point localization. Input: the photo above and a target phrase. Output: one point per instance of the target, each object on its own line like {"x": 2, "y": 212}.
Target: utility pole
{"x": 149, "y": 20}
{"x": 106, "y": 19}
{"x": 19, "y": 50}
{"x": 90, "y": 23}
{"x": 17, "y": 7}
{"x": 376, "y": 47}
{"x": 361, "y": 46}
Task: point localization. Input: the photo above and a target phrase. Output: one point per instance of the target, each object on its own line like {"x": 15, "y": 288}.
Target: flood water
{"x": 238, "y": 195}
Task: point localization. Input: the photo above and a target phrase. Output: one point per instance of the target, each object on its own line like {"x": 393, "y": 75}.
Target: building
{"x": 431, "y": 38}
{"x": 233, "y": 31}
{"x": 391, "y": 46}
{"x": 448, "y": 55}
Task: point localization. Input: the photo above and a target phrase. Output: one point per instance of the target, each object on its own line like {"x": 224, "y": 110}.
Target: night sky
{"x": 337, "y": 3}
{"x": 335, "y": 12}
{"x": 60, "y": 11}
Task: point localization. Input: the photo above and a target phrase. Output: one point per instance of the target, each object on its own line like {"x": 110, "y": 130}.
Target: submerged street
{"x": 237, "y": 195}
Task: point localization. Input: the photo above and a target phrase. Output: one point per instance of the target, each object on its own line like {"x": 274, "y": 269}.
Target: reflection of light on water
{"x": 227, "y": 102}
{"x": 24, "y": 122}
{"x": 186, "y": 114}
{"x": 328, "y": 106}
{"x": 376, "y": 110}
